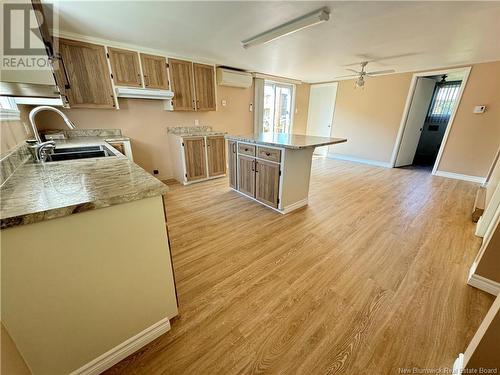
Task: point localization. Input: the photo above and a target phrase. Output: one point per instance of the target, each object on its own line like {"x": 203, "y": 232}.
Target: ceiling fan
{"x": 362, "y": 74}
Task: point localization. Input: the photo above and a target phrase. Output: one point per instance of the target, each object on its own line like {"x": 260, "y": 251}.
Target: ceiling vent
{"x": 233, "y": 78}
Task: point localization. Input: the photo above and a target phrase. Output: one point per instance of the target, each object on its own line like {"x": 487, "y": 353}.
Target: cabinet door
{"x": 216, "y": 152}
{"x": 154, "y": 70}
{"x": 87, "y": 73}
{"x": 194, "y": 156}
{"x": 267, "y": 177}
{"x": 181, "y": 76}
{"x": 246, "y": 175}
{"x": 233, "y": 161}
{"x": 125, "y": 67}
{"x": 204, "y": 87}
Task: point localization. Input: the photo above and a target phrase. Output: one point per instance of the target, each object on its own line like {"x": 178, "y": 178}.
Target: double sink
{"x": 84, "y": 152}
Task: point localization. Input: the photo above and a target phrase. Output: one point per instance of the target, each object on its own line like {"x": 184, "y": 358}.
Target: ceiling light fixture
{"x": 310, "y": 19}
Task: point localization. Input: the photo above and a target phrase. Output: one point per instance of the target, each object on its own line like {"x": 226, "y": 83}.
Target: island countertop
{"x": 290, "y": 141}
{"x": 42, "y": 191}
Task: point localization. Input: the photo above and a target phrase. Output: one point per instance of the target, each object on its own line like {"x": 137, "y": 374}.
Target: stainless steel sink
{"x": 72, "y": 153}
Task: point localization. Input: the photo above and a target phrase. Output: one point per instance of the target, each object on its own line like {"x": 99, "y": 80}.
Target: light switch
{"x": 479, "y": 109}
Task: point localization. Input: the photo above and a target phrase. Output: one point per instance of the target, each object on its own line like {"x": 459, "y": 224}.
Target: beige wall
{"x": 146, "y": 123}
{"x": 370, "y": 120}
{"x": 14, "y": 132}
{"x": 12, "y": 362}
{"x": 301, "y": 108}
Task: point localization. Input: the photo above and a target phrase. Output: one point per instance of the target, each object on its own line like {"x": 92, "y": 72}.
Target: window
{"x": 8, "y": 109}
{"x": 277, "y": 110}
{"x": 443, "y": 100}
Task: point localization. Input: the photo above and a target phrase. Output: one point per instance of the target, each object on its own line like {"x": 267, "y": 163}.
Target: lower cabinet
{"x": 251, "y": 175}
{"x": 197, "y": 158}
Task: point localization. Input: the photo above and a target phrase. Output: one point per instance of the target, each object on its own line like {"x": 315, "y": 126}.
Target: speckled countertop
{"x": 42, "y": 191}
{"x": 290, "y": 141}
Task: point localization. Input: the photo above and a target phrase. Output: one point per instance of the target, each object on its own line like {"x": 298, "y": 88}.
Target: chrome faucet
{"x": 42, "y": 150}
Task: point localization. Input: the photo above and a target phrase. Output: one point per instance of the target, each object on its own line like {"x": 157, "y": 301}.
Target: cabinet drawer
{"x": 270, "y": 154}
{"x": 245, "y": 149}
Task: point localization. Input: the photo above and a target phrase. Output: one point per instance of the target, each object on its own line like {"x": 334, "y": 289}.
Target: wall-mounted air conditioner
{"x": 233, "y": 78}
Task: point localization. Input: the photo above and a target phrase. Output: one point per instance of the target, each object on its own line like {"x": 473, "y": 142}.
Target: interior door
{"x": 233, "y": 161}
{"x": 267, "y": 177}
{"x": 420, "y": 102}
{"x": 181, "y": 76}
{"x": 320, "y": 116}
{"x": 87, "y": 73}
{"x": 154, "y": 71}
{"x": 125, "y": 67}
{"x": 246, "y": 175}
{"x": 216, "y": 153}
{"x": 194, "y": 156}
{"x": 204, "y": 87}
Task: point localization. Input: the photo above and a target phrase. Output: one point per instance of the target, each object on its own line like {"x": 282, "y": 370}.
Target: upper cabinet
{"x": 154, "y": 71}
{"x": 125, "y": 67}
{"x": 181, "y": 76}
{"x": 204, "y": 87}
{"x": 87, "y": 75}
{"x": 193, "y": 85}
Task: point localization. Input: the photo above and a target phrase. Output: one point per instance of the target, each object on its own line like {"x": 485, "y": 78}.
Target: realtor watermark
{"x": 446, "y": 370}
{"x": 23, "y": 47}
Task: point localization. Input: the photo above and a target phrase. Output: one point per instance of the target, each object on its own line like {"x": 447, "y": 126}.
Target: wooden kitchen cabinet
{"x": 204, "y": 87}
{"x": 267, "y": 178}
{"x": 232, "y": 162}
{"x": 154, "y": 71}
{"x": 194, "y": 156}
{"x": 216, "y": 155}
{"x": 87, "y": 75}
{"x": 181, "y": 76}
{"x": 246, "y": 175}
{"x": 125, "y": 67}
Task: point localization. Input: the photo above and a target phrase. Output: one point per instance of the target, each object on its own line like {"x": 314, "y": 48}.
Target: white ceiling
{"x": 423, "y": 34}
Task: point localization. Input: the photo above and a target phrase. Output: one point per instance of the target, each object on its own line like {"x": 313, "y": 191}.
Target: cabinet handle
{"x": 253, "y": 165}
{"x": 197, "y": 104}
{"x": 268, "y": 153}
{"x": 146, "y": 80}
{"x": 139, "y": 78}
{"x": 234, "y": 148}
{"x": 246, "y": 149}
{"x": 256, "y": 171}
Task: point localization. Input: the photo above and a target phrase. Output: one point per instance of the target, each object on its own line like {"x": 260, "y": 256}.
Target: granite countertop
{"x": 42, "y": 191}
{"x": 194, "y": 131}
{"x": 201, "y": 134}
{"x": 290, "y": 141}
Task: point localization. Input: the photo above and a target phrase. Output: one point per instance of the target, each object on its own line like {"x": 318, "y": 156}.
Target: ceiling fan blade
{"x": 381, "y": 72}
{"x": 354, "y": 71}
{"x": 347, "y": 76}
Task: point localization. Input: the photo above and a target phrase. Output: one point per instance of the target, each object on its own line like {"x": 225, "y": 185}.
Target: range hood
{"x": 137, "y": 93}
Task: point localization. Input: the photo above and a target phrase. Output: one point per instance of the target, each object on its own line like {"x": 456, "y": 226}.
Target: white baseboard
{"x": 487, "y": 285}
{"x": 115, "y": 355}
{"x": 458, "y": 365}
{"x": 295, "y": 206}
{"x": 332, "y": 155}
{"x": 464, "y": 177}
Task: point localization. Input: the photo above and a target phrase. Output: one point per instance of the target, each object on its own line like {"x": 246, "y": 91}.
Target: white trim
{"x": 9, "y": 114}
{"x": 286, "y": 210}
{"x": 409, "y": 98}
{"x": 491, "y": 212}
{"x": 458, "y": 176}
{"x": 486, "y": 285}
{"x": 333, "y": 155}
{"x": 39, "y": 101}
{"x": 115, "y": 355}
{"x": 458, "y": 365}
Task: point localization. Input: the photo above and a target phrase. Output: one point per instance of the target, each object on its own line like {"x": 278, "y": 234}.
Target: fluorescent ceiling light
{"x": 310, "y": 19}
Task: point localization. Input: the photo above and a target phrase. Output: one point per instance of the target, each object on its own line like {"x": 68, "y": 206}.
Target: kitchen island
{"x": 274, "y": 169}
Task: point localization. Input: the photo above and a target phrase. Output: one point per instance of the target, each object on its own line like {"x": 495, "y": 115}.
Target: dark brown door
{"x": 154, "y": 70}
{"x": 267, "y": 177}
{"x": 204, "y": 87}
{"x": 216, "y": 152}
{"x": 125, "y": 67}
{"x": 194, "y": 154}
{"x": 232, "y": 161}
{"x": 181, "y": 76}
{"x": 246, "y": 175}
{"x": 87, "y": 73}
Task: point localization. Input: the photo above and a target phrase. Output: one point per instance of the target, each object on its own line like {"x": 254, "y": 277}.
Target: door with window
{"x": 277, "y": 108}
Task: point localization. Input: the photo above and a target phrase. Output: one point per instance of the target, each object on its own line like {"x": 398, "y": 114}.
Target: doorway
{"x": 277, "y": 113}
{"x": 320, "y": 115}
{"x": 431, "y": 107}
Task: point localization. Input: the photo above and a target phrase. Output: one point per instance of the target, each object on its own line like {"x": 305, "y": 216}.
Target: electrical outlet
{"x": 196, "y": 122}
{"x": 155, "y": 171}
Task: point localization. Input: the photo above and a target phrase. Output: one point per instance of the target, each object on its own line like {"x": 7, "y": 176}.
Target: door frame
{"x": 409, "y": 99}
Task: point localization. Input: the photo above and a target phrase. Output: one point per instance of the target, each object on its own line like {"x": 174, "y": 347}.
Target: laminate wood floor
{"x": 368, "y": 279}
